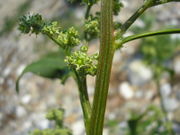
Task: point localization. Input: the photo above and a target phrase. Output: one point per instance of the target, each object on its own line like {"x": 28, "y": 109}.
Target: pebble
{"x": 165, "y": 90}
{"x": 170, "y": 104}
{"x": 105, "y": 131}
{"x": 78, "y": 127}
{"x": 1, "y": 118}
{"x": 178, "y": 95}
{"x": 177, "y": 65}
{"x": 20, "y": 111}
{"x": 1, "y": 60}
{"x": 7, "y": 71}
{"x": 126, "y": 90}
{"x": 138, "y": 73}
{"x": 139, "y": 23}
{"x": 40, "y": 121}
{"x": 26, "y": 99}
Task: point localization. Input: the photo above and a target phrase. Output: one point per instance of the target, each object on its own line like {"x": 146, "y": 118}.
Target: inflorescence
{"x": 82, "y": 63}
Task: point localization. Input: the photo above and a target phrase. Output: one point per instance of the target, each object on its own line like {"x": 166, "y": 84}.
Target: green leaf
{"x": 51, "y": 66}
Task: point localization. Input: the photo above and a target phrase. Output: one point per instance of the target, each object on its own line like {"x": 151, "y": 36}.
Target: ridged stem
{"x": 104, "y": 68}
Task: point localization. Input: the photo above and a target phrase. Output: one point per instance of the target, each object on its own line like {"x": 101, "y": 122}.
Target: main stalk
{"x": 104, "y": 68}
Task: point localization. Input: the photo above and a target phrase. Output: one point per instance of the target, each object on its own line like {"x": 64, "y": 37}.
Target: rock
{"x": 138, "y": 73}
{"x": 139, "y": 23}
{"x": 20, "y": 111}
{"x": 178, "y": 95}
{"x": 177, "y": 65}
{"x": 176, "y": 128}
{"x": 126, "y": 90}
{"x": 170, "y": 104}
{"x": 139, "y": 94}
{"x": 40, "y": 121}
{"x": 26, "y": 99}
{"x": 78, "y": 128}
{"x": 165, "y": 90}
{"x": 1, "y": 118}
{"x": 105, "y": 131}
{"x": 149, "y": 95}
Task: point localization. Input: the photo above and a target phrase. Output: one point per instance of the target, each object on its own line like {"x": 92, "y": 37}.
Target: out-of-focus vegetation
{"x": 11, "y": 22}
{"x": 57, "y": 116}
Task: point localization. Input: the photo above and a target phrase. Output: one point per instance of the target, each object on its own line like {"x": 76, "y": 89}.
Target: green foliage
{"x": 150, "y": 122}
{"x": 156, "y": 51}
{"x": 117, "y": 6}
{"x": 51, "y": 66}
{"x": 91, "y": 27}
{"x": 56, "y": 115}
{"x": 10, "y": 22}
{"x": 82, "y": 63}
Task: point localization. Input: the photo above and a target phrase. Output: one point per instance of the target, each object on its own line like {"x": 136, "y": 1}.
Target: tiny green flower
{"x": 91, "y": 27}
{"x": 83, "y": 63}
{"x": 65, "y": 38}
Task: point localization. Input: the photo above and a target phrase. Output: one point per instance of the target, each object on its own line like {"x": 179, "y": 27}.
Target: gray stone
{"x": 165, "y": 90}
{"x": 170, "y": 104}
{"x": 78, "y": 128}
{"x": 20, "y": 111}
{"x": 138, "y": 73}
{"x": 126, "y": 90}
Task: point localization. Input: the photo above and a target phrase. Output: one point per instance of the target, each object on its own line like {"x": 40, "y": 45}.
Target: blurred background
{"x": 141, "y": 69}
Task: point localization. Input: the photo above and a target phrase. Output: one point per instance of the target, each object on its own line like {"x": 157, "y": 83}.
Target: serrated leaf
{"x": 51, "y": 66}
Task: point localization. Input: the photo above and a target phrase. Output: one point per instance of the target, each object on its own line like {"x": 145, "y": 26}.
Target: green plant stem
{"x": 104, "y": 68}
{"x": 147, "y": 4}
{"x": 134, "y": 17}
{"x": 148, "y": 34}
{"x": 157, "y": 80}
{"x": 52, "y": 38}
{"x": 88, "y": 11}
{"x": 159, "y": 2}
{"x": 84, "y": 98}
{"x": 86, "y": 17}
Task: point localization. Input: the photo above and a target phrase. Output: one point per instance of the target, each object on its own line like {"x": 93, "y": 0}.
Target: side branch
{"x": 148, "y": 34}
{"x": 147, "y": 4}
{"x": 133, "y": 18}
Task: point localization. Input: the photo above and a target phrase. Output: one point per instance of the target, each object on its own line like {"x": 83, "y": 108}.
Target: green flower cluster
{"x": 83, "y": 63}
{"x": 35, "y": 24}
{"x": 65, "y": 38}
{"x": 117, "y": 6}
{"x": 31, "y": 24}
{"x": 91, "y": 27}
{"x": 56, "y": 115}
